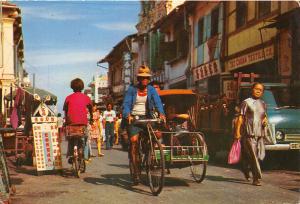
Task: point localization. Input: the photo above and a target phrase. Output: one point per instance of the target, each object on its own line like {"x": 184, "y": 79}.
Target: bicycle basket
{"x": 75, "y": 130}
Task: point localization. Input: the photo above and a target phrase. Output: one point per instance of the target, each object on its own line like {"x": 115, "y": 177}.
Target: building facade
{"x": 253, "y": 45}
{"x": 207, "y": 35}
{"x": 11, "y": 51}
{"x": 202, "y": 45}
{"x": 122, "y": 61}
{"x": 99, "y": 90}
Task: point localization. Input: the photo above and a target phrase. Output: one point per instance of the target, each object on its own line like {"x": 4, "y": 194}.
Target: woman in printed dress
{"x": 95, "y": 130}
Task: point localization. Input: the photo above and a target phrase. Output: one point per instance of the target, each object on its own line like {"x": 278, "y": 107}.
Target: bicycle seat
{"x": 75, "y": 130}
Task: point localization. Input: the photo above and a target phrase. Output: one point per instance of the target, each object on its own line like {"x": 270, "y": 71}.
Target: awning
{"x": 43, "y": 94}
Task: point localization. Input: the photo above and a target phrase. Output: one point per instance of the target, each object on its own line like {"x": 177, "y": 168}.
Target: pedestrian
{"x": 75, "y": 107}
{"x": 109, "y": 118}
{"x": 117, "y": 127}
{"x": 95, "y": 130}
{"x": 250, "y": 128}
{"x": 60, "y": 124}
{"x": 100, "y": 125}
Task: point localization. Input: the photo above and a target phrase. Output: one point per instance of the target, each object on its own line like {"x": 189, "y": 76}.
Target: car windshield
{"x": 285, "y": 97}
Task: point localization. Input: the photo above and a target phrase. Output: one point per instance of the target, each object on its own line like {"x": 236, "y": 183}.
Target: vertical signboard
{"x": 46, "y": 140}
{"x": 230, "y": 89}
{"x": 127, "y": 70}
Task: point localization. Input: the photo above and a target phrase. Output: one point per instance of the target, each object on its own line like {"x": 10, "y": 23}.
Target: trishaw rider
{"x": 75, "y": 107}
{"x": 139, "y": 102}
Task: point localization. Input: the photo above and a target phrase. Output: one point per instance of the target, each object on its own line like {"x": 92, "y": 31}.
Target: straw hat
{"x": 144, "y": 71}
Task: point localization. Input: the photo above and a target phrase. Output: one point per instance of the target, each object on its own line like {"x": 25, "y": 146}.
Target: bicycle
{"x": 76, "y": 135}
{"x": 151, "y": 156}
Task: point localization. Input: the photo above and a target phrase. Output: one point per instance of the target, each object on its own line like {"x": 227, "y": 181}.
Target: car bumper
{"x": 278, "y": 147}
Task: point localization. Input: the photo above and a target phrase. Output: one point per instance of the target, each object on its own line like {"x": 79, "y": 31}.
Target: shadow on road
{"x": 123, "y": 166}
{"x": 67, "y": 173}
{"x": 119, "y": 180}
{"x": 124, "y": 181}
{"x": 221, "y": 178}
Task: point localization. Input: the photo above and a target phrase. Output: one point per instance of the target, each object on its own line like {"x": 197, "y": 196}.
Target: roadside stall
{"x": 18, "y": 134}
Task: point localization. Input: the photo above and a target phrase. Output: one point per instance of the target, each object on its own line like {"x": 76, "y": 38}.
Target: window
{"x": 200, "y": 31}
{"x": 241, "y": 13}
{"x": 264, "y": 7}
{"x": 214, "y": 22}
{"x": 182, "y": 40}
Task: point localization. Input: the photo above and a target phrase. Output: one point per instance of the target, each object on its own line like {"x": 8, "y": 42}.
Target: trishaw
{"x": 176, "y": 144}
{"x": 183, "y": 146}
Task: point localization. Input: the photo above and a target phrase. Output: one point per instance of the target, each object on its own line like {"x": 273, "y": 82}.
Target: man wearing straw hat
{"x": 139, "y": 102}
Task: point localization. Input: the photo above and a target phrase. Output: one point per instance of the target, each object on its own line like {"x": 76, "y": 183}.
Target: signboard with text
{"x": 207, "y": 70}
{"x": 46, "y": 140}
{"x": 230, "y": 89}
{"x": 251, "y": 58}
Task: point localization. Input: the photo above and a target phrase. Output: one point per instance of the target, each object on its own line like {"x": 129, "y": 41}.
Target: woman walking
{"x": 250, "y": 128}
{"x": 95, "y": 130}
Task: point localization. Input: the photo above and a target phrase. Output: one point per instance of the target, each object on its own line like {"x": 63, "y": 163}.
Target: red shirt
{"x": 76, "y": 105}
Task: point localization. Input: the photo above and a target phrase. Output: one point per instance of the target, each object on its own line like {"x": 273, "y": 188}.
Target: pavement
{"x": 107, "y": 180}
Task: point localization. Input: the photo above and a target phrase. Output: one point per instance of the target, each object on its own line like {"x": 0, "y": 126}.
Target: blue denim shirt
{"x": 153, "y": 101}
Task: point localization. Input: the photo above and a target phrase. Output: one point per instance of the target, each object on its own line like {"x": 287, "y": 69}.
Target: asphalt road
{"x": 107, "y": 180}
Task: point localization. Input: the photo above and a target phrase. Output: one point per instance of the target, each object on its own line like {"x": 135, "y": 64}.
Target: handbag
{"x": 235, "y": 152}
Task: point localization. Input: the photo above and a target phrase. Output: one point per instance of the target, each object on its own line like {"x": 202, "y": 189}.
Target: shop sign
{"x": 285, "y": 56}
{"x": 46, "y": 139}
{"x": 230, "y": 89}
{"x": 250, "y": 58}
{"x": 127, "y": 69}
{"x": 207, "y": 70}
{"x": 47, "y": 146}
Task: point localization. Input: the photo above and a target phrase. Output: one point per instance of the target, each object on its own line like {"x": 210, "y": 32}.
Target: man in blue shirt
{"x": 140, "y": 102}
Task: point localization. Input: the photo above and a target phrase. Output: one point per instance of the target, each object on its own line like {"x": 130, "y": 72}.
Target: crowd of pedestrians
{"x": 103, "y": 129}
{"x": 101, "y": 126}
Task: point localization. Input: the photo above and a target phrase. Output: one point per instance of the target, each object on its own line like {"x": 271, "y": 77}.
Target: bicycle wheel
{"x": 82, "y": 166}
{"x": 155, "y": 167}
{"x": 198, "y": 168}
{"x": 76, "y": 163}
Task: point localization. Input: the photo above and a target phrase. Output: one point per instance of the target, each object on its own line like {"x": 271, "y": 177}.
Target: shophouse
{"x": 150, "y": 38}
{"x": 122, "y": 65}
{"x": 254, "y": 45}
{"x": 11, "y": 51}
{"x": 207, "y": 33}
{"x": 170, "y": 53}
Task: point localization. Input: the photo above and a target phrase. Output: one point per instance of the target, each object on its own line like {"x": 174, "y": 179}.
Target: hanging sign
{"x": 207, "y": 70}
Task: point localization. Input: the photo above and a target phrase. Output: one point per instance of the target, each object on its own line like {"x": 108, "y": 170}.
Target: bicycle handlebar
{"x": 145, "y": 121}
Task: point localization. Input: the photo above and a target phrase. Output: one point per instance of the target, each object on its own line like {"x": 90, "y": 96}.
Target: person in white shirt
{"x": 109, "y": 118}
{"x": 60, "y": 123}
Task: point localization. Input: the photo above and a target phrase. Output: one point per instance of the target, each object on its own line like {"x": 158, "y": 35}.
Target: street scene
{"x": 107, "y": 180}
{"x": 150, "y": 101}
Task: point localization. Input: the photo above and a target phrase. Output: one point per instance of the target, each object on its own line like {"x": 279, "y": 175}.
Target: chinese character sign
{"x": 207, "y": 70}
{"x": 46, "y": 143}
